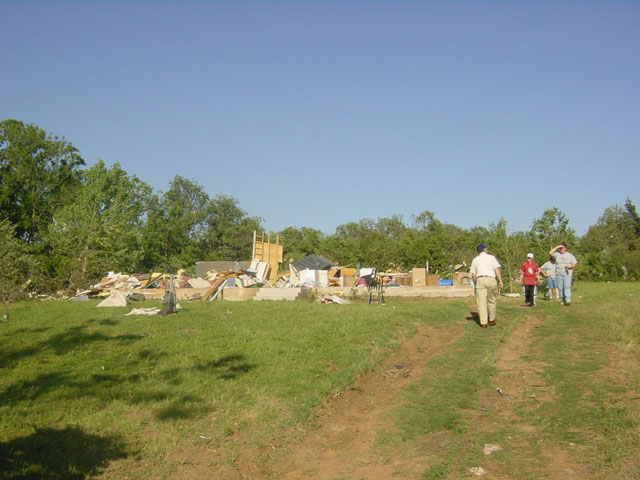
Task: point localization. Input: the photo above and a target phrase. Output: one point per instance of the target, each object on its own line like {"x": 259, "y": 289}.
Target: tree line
{"x": 63, "y": 225}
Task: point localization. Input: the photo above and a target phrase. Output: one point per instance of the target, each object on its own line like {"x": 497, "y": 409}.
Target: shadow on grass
{"x": 149, "y": 354}
{"x": 187, "y": 406}
{"x": 28, "y": 331}
{"x": 63, "y": 343}
{"x": 66, "y": 454}
{"x": 108, "y": 322}
{"x": 30, "y": 390}
{"x": 75, "y": 337}
{"x": 473, "y": 317}
{"x": 7, "y": 357}
{"x": 175, "y": 412}
{"x": 227, "y": 367}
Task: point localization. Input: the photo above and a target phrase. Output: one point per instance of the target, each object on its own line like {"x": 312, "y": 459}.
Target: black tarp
{"x": 313, "y": 262}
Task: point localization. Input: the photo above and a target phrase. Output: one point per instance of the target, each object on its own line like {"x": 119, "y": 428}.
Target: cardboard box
{"x": 349, "y": 282}
{"x": 404, "y": 280}
{"x": 347, "y": 272}
{"x": 421, "y": 279}
{"x": 432, "y": 280}
{"x": 419, "y": 276}
{"x": 461, "y": 278}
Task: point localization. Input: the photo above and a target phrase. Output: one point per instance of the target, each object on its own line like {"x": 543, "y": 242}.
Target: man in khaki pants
{"x": 485, "y": 272}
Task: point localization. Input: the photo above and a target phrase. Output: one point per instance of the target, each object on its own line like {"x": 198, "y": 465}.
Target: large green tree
{"x": 19, "y": 269}
{"x": 102, "y": 229}
{"x": 185, "y": 226}
{"x": 300, "y": 242}
{"x": 228, "y": 230}
{"x": 548, "y": 231}
{"x": 37, "y": 172}
{"x": 440, "y": 244}
{"x": 611, "y": 248}
{"x": 176, "y": 226}
{"x": 368, "y": 242}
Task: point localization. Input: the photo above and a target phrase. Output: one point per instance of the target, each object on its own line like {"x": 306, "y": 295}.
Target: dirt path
{"x": 342, "y": 447}
{"x": 515, "y": 385}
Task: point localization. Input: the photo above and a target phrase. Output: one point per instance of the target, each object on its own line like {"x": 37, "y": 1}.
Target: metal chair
{"x": 374, "y": 287}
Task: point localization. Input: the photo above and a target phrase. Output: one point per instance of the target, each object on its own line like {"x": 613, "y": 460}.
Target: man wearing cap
{"x": 565, "y": 263}
{"x": 485, "y": 272}
{"x": 529, "y": 273}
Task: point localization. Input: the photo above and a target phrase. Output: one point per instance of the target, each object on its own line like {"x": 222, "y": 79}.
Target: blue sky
{"x": 320, "y": 113}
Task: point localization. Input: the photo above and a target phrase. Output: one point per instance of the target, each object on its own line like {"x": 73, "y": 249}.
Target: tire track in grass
{"x": 517, "y": 389}
{"x": 343, "y": 445}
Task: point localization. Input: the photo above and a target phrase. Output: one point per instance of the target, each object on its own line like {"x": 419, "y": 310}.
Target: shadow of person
{"x": 67, "y": 453}
{"x": 473, "y": 317}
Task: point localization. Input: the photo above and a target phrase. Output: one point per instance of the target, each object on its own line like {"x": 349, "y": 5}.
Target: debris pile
{"x": 154, "y": 285}
{"x": 214, "y": 277}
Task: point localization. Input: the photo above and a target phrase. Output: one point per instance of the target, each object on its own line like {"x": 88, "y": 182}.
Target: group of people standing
{"x": 487, "y": 278}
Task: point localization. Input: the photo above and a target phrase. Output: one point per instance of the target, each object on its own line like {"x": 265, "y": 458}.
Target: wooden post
{"x": 253, "y": 250}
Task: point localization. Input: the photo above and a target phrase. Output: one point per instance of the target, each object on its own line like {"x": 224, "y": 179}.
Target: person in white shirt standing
{"x": 485, "y": 272}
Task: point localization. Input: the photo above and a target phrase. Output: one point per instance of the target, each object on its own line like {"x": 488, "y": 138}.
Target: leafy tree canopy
{"x": 36, "y": 173}
{"x": 102, "y": 229}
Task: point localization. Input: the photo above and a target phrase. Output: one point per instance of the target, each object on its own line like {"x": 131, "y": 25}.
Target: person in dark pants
{"x": 529, "y": 273}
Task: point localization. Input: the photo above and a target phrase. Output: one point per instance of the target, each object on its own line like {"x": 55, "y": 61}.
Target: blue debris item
{"x": 445, "y": 283}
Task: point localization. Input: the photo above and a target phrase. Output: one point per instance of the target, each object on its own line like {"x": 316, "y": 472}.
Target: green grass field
{"x": 88, "y": 392}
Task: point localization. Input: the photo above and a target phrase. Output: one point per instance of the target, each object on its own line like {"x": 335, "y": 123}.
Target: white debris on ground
{"x": 115, "y": 299}
{"x": 333, "y": 299}
{"x": 477, "y": 471}
{"x": 143, "y": 311}
{"x": 489, "y": 448}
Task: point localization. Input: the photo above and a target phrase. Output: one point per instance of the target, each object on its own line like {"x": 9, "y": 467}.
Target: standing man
{"x": 529, "y": 278}
{"x": 485, "y": 272}
{"x": 565, "y": 263}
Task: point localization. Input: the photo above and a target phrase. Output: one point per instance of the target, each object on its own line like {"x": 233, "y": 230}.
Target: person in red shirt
{"x": 529, "y": 273}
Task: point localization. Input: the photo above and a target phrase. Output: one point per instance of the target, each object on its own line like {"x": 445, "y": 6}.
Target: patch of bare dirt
{"x": 343, "y": 444}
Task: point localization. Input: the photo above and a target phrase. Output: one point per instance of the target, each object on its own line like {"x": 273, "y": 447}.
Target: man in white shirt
{"x": 485, "y": 272}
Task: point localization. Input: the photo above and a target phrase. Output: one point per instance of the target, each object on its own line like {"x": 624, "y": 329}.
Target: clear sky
{"x": 318, "y": 113}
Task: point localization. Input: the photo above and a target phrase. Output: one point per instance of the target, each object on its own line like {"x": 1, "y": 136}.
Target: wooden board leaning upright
{"x": 268, "y": 252}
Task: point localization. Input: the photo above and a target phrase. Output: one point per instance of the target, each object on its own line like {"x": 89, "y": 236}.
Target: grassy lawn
{"x": 575, "y": 391}
{"x": 88, "y": 392}
{"x": 132, "y": 387}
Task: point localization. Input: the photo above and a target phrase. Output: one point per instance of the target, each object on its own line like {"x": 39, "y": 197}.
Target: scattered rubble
{"x": 489, "y": 448}
{"x": 312, "y": 271}
{"x": 333, "y": 299}
{"x": 477, "y": 471}
{"x": 257, "y": 274}
{"x": 143, "y": 311}
{"x": 115, "y": 299}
